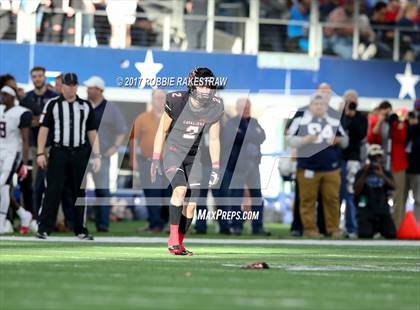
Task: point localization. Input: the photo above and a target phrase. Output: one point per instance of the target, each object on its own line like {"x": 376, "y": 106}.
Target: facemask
{"x": 202, "y": 98}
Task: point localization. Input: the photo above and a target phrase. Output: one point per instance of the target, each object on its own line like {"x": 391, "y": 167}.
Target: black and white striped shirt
{"x": 69, "y": 121}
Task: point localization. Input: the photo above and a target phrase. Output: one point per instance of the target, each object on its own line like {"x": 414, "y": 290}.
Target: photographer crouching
{"x": 372, "y": 189}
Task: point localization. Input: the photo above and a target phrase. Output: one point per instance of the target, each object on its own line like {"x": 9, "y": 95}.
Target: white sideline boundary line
{"x": 150, "y": 240}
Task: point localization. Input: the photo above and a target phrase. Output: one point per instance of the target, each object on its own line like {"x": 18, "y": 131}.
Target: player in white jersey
{"x": 15, "y": 123}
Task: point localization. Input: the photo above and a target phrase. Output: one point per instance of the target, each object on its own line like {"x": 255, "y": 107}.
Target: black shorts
{"x": 182, "y": 168}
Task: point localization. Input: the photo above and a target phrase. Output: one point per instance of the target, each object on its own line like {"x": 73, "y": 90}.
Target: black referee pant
{"x": 66, "y": 168}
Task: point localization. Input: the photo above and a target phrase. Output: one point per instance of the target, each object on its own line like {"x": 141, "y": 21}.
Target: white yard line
{"x": 148, "y": 240}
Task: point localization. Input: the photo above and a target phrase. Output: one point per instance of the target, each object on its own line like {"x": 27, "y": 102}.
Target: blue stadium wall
{"x": 374, "y": 78}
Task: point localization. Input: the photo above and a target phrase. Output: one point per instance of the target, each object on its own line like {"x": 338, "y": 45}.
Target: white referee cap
{"x": 8, "y": 90}
{"x": 95, "y": 81}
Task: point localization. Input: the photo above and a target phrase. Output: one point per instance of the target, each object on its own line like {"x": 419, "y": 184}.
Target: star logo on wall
{"x": 148, "y": 69}
{"x": 408, "y": 82}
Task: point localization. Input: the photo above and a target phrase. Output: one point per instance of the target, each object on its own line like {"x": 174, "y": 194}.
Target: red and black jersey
{"x": 188, "y": 122}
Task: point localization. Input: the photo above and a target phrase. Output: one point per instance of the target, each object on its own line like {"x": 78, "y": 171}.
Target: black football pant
{"x": 184, "y": 170}
{"x": 26, "y": 190}
{"x": 66, "y": 169}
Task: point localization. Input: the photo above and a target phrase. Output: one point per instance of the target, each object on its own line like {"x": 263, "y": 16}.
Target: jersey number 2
{"x": 2, "y": 129}
{"x": 191, "y": 132}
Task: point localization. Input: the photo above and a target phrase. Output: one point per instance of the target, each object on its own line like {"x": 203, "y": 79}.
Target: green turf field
{"x": 82, "y": 275}
{"x": 134, "y": 228}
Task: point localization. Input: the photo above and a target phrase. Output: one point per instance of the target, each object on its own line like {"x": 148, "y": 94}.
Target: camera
{"x": 352, "y": 106}
{"x": 373, "y": 167}
{"x": 375, "y": 162}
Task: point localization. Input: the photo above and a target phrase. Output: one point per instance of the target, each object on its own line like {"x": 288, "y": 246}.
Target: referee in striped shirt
{"x": 72, "y": 121}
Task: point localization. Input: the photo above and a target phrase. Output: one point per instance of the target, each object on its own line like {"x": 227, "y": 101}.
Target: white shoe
{"x": 7, "y": 228}
{"x": 33, "y": 226}
{"x": 352, "y": 236}
{"x": 26, "y": 220}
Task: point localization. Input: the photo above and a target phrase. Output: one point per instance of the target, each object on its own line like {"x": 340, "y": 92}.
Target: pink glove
{"x": 22, "y": 172}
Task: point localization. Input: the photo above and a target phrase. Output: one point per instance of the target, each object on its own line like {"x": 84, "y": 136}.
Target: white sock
{"x": 21, "y": 212}
{"x": 4, "y": 203}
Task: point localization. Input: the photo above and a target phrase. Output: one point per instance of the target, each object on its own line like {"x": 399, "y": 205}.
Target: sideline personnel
{"x": 72, "y": 120}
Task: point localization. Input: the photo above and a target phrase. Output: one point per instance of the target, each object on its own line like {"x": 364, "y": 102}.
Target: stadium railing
{"x": 171, "y": 29}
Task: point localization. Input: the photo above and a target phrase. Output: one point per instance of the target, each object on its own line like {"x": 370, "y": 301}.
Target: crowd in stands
{"x": 125, "y": 23}
{"x": 376, "y": 22}
{"x": 349, "y": 158}
{"x": 111, "y": 22}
